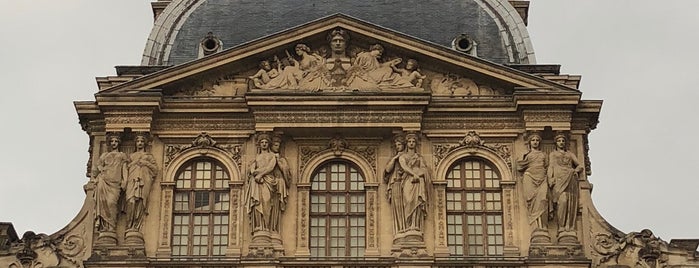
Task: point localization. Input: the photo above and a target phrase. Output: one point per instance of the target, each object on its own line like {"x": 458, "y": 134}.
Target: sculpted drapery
{"x": 267, "y": 188}
{"x": 535, "y": 184}
{"x": 142, "y": 169}
{"x": 110, "y": 173}
{"x": 562, "y": 175}
{"x": 408, "y": 178}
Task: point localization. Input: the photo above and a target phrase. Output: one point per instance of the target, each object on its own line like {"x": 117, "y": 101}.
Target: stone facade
{"x": 339, "y": 144}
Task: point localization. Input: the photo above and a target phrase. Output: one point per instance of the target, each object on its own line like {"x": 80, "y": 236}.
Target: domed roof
{"x": 494, "y": 25}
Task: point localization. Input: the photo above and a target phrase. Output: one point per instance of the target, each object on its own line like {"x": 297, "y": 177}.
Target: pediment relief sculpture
{"x": 337, "y": 66}
{"x": 456, "y": 86}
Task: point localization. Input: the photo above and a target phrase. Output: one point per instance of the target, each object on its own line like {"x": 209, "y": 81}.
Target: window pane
{"x": 204, "y": 233}
{"x": 473, "y": 189}
{"x": 337, "y": 216}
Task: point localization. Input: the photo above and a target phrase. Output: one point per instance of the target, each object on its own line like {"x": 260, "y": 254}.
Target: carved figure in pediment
{"x": 453, "y": 85}
{"x": 109, "y": 174}
{"x": 141, "y": 174}
{"x": 368, "y": 72}
{"x": 266, "y": 72}
{"x": 411, "y": 73}
{"x": 301, "y": 73}
{"x": 267, "y": 187}
{"x": 562, "y": 173}
{"x": 408, "y": 179}
{"x": 533, "y": 165}
{"x": 339, "y": 62}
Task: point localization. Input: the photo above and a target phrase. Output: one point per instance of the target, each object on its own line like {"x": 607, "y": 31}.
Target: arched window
{"x": 337, "y": 213}
{"x": 474, "y": 209}
{"x": 201, "y": 207}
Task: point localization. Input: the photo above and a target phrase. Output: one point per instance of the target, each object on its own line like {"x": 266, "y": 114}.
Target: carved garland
{"x": 472, "y": 140}
{"x": 306, "y": 153}
{"x": 203, "y": 141}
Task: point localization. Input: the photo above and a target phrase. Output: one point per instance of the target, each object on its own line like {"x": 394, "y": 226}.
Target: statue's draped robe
{"x": 111, "y": 168}
{"x": 535, "y": 184}
{"x": 142, "y": 170}
{"x": 563, "y": 181}
{"x": 266, "y": 198}
{"x": 407, "y": 188}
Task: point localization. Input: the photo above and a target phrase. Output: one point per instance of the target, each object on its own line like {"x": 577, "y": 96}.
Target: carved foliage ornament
{"x": 337, "y": 145}
{"x": 635, "y": 249}
{"x": 204, "y": 140}
{"x": 472, "y": 140}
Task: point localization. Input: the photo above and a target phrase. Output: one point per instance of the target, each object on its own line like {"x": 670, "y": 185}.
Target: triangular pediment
{"x": 304, "y": 59}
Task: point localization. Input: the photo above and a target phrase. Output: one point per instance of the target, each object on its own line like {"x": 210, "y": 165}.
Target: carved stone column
{"x": 372, "y": 212}
{"x": 302, "y": 220}
{"x": 441, "y": 249}
{"x": 164, "y": 236}
{"x": 236, "y": 211}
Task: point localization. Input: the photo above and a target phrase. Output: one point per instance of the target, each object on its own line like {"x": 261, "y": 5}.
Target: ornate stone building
{"x": 339, "y": 134}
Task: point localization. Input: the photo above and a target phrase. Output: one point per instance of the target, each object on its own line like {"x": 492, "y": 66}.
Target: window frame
{"x": 217, "y": 218}
{"x": 353, "y": 209}
{"x": 486, "y": 215}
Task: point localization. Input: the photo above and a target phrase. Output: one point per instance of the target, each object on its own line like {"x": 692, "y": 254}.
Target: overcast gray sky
{"x": 640, "y": 57}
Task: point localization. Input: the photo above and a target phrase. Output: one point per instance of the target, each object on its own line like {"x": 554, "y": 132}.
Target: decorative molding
{"x": 367, "y": 152}
{"x": 303, "y": 196}
{"x": 233, "y": 232}
{"x": 372, "y": 219}
{"x": 548, "y": 116}
{"x": 459, "y": 123}
{"x": 165, "y": 219}
{"x": 510, "y": 215}
{"x": 472, "y": 140}
{"x": 344, "y": 117}
{"x": 198, "y": 124}
{"x": 441, "y": 208}
{"x": 204, "y": 140}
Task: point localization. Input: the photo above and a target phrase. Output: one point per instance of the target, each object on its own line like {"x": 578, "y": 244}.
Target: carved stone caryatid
{"x": 265, "y": 199}
{"x": 535, "y": 184}
{"x": 312, "y": 70}
{"x": 109, "y": 175}
{"x": 142, "y": 170}
{"x": 408, "y": 179}
{"x": 563, "y": 171}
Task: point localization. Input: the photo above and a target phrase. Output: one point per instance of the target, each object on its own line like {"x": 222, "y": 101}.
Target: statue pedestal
{"x": 548, "y": 251}
{"x": 568, "y": 237}
{"x": 133, "y": 238}
{"x": 266, "y": 244}
{"x": 117, "y": 253}
{"x": 106, "y": 238}
{"x": 409, "y": 244}
{"x": 540, "y": 236}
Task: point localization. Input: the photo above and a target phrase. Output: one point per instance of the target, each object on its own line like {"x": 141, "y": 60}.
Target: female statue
{"x": 142, "y": 171}
{"x": 408, "y": 178}
{"x": 267, "y": 188}
{"x": 109, "y": 172}
{"x": 562, "y": 175}
{"x": 534, "y": 164}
